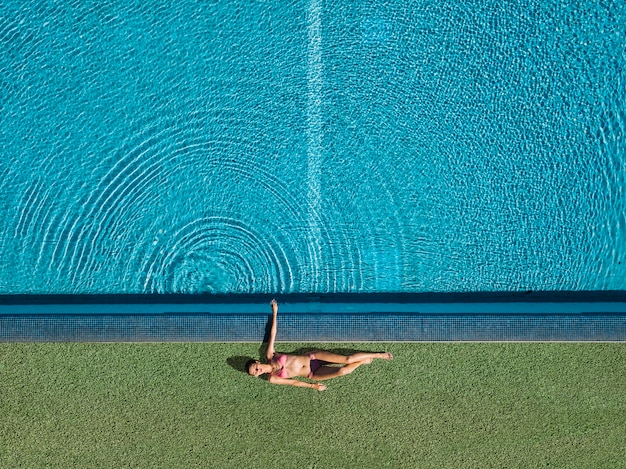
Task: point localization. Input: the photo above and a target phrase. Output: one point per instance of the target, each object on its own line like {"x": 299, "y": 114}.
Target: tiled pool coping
{"x": 528, "y": 316}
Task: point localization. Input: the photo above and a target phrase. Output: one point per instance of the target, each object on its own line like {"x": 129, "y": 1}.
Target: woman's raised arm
{"x": 270, "y": 345}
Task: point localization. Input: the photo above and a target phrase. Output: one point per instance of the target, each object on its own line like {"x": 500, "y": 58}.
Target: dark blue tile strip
{"x": 314, "y": 327}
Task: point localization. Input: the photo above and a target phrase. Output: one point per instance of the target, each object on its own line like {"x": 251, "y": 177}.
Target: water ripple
{"x": 373, "y": 147}
{"x": 218, "y": 255}
{"x": 149, "y": 188}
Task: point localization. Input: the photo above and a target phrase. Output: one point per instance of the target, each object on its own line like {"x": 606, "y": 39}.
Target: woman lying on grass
{"x": 313, "y": 365}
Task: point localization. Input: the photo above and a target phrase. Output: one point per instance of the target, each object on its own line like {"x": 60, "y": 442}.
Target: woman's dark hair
{"x": 249, "y": 363}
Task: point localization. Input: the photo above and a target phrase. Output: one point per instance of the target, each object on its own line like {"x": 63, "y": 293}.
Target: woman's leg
{"x": 330, "y": 357}
{"x": 328, "y": 372}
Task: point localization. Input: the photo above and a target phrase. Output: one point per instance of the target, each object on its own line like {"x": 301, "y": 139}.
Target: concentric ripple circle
{"x": 218, "y": 255}
{"x": 171, "y": 212}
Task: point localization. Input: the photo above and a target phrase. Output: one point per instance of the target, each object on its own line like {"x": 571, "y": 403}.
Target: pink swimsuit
{"x": 282, "y": 359}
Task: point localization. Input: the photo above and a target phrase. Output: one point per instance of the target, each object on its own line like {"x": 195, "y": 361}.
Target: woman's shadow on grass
{"x": 239, "y": 362}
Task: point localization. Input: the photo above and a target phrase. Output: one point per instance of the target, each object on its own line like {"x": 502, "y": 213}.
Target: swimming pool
{"x": 321, "y": 146}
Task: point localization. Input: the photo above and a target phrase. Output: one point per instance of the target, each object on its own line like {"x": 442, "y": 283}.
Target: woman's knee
{"x": 344, "y": 370}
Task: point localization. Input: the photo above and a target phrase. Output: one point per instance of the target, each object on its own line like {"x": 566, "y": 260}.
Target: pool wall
{"x": 519, "y": 316}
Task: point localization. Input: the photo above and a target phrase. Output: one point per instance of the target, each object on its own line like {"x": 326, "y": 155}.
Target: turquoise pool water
{"x": 324, "y": 146}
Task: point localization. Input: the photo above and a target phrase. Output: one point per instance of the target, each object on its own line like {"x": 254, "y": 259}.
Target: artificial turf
{"x": 435, "y": 405}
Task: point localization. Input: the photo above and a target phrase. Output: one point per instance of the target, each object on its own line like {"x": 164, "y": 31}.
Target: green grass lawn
{"x": 435, "y": 405}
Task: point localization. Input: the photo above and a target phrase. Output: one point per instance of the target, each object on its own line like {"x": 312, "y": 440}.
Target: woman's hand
{"x": 274, "y": 304}
{"x": 319, "y": 387}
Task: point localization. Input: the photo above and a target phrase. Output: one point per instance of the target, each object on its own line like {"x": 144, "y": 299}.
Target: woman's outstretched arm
{"x": 270, "y": 345}
{"x": 295, "y": 382}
